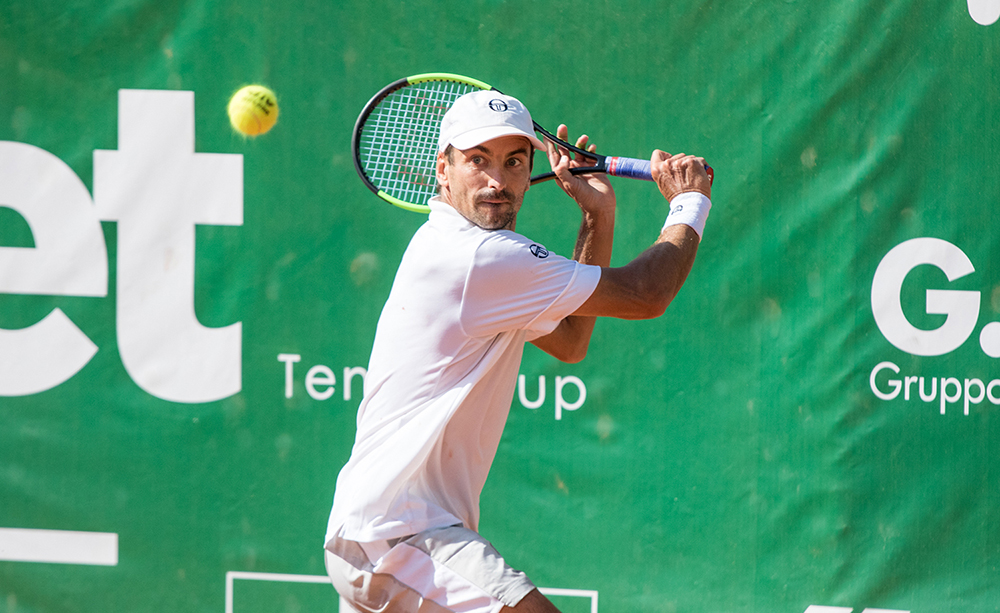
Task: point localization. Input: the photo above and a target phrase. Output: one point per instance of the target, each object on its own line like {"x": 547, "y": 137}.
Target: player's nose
{"x": 496, "y": 178}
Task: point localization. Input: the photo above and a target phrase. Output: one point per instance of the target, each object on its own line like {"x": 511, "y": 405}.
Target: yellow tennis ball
{"x": 253, "y": 110}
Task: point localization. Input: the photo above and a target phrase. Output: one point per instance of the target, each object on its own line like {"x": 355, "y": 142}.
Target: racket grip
{"x": 639, "y": 169}
{"x": 629, "y": 167}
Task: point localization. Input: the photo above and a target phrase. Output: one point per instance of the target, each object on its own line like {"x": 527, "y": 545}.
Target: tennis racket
{"x": 395, "y": 140}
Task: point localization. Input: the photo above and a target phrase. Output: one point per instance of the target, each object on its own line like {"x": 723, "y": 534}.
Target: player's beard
{"x": 495, "y": 215}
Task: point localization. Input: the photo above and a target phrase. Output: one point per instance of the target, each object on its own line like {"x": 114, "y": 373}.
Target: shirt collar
{"x": 444, "y": 213}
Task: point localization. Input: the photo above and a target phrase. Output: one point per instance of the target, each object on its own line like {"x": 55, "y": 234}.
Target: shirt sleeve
{"x": 516, "y": 284}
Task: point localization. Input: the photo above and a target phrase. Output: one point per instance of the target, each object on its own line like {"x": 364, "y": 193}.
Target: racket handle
{"x": 639, "y": 169}
{"x": 629, "y": 167}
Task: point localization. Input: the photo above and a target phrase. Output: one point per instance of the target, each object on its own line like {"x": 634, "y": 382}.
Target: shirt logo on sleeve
{"x": 538, "y": 251}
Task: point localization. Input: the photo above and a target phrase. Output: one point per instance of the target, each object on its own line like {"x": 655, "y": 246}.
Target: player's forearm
{"x": 661, "y": 270}
{"x": 596, "y": 238}
{"x": 571, "y": 339}
{"x": 657, "y": 275}
{"x": 643, "y": 288}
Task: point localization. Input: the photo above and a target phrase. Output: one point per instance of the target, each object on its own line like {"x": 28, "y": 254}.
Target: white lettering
{"x": 43, "y": 355}
{"x": 320, "y": 375}
{"x": 289, "y": 359}
{"x": 961, "y": 307}
{"x": 893, "y": 383}
{"x": 947, "y": 398}
{"x": 349, "y": 374}
{"x": 320, "y": 382}
{"x": 69, "y": 259}
{"x": 984, "y": 12}
{"x": 523, "y": 397}
{"x": 157, "y": 188}
{"x": 971, "y": 390}
{"x": 973, "y": 399}
{"x": 824, "y": 609}
{"x": 989, "y": 339}
{"x": 561, "y": 401}
{"x": 933, "y": 394}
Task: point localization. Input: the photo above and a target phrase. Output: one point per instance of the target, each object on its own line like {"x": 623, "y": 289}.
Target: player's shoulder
{"x": 506, "y": 245}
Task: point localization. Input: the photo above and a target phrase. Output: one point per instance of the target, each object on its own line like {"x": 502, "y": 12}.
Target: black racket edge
{"x": 600, "y": 165}
{"x": 359, "y": 124}
{"x": 600, "y": 161}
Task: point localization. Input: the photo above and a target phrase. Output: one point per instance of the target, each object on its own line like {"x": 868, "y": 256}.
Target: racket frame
{"x": 374, "y": 102}
{"x": 612, "y": 165}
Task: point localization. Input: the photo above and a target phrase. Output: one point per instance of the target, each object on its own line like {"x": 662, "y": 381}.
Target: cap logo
{"x": 498, "y": 105}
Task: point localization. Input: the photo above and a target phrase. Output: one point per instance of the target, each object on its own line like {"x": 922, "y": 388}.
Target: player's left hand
{"x": 592, "y": 192}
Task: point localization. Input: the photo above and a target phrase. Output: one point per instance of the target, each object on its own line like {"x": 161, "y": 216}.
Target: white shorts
{"x": 441, "y": 570}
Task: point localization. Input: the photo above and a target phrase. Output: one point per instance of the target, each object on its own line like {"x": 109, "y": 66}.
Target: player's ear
{"x": 441, "y": 164}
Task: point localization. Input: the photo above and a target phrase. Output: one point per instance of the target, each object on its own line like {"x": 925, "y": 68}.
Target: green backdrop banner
{"x": 186, "y": 314}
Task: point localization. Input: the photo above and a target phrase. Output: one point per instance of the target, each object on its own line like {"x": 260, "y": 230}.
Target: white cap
{"x": 483, "y": 115}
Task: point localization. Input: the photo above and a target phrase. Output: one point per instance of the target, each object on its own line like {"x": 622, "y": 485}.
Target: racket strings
{"x": 399, "y": 139}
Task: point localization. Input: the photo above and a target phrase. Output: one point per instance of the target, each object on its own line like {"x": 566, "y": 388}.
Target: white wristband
{"x": 691, "y": 209}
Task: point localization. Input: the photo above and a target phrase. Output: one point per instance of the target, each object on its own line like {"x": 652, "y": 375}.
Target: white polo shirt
{"x": 442, "y": 374}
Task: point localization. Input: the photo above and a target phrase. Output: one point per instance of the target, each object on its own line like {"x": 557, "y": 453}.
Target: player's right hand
{"x": 679, "y": 173}
{"x": 592, "y": 192}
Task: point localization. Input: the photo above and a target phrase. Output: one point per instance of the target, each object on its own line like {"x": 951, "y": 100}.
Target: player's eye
{"x": 477, "y": 160}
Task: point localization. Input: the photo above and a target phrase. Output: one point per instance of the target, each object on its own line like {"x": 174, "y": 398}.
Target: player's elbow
{"x": 575, "y": 354}
{"x": 652, "y": 302}
{"x": 654, "y": 308}
{"x": 568, "y": 342}
{"x": 572, "y": 352}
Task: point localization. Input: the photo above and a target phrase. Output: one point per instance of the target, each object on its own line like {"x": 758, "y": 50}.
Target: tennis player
{"x": 469, "y": 292}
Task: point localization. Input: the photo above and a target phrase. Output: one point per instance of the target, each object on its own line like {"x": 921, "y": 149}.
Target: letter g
{"x": 961, "y": 307}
